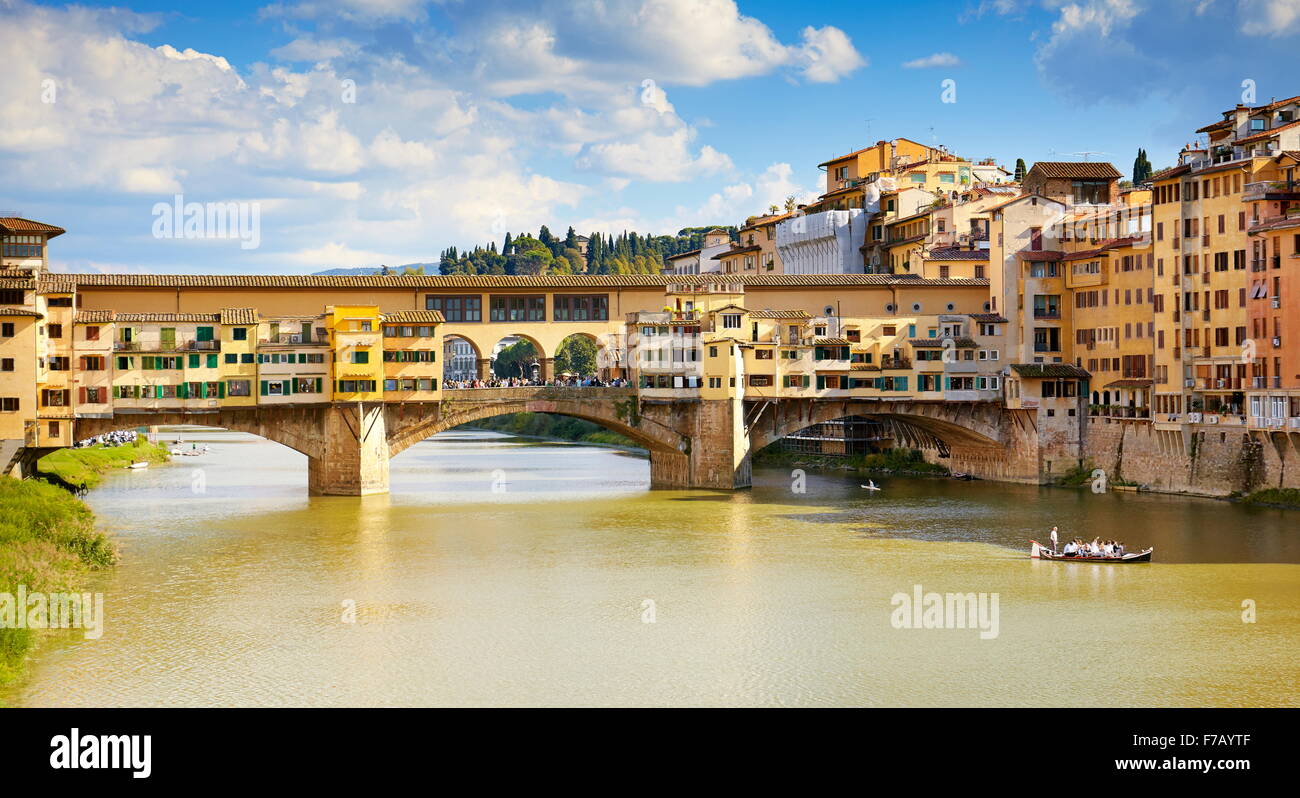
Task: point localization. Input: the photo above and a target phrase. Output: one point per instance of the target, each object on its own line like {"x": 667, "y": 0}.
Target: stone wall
{"x": 1206, "y": 460}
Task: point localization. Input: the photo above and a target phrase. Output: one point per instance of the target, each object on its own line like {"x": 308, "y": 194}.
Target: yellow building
{"x": 412, "y": 340}
{"x": 357, "y": 344}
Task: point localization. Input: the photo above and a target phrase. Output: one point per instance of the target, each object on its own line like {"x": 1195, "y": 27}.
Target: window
{"x": 731, "y": 321}
{"x": 762, "y": 354}
{"x": 54, "y": 330}
{"x": 92, "y": 333}
{"x": 356, "y": 386}
{"x": 58, "y": 364}
{"x": 360, "y": 356}
{"x": 22, "y": 247}
{"x": 7, "y": 364}
{"x": 239, "y": 387}
{"x": 7, "y": 329}
{"x": 581, "y": 308}
{"x": 518, "y": 308}
{"x": 456, "y": 308}
{"x": 1091, "y": 192}
{"x": 9, "y": 404}
{"x": 239, "y": 334}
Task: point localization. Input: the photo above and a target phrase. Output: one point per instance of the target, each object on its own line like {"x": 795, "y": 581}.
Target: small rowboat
{"x": 141, "y": 464}
{"x": 1038, "y": 552}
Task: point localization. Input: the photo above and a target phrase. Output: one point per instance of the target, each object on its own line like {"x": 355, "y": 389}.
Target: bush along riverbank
{"x": 85, "y": 468}
{"x": 1288, "y": 498}
{"x": 894, "y": 462}
{"x": 548, "y": 425}
{"x": 48, "y": 545}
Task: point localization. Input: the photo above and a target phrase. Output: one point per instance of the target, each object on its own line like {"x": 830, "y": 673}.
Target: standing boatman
{"x": 1053, "y": 540}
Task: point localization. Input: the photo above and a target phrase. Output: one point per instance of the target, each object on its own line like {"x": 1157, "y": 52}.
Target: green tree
{"x": 1141, "y": 168}
{"x": 1020, "y": 170}
{"x": 576, "y": 355}
{"x": 515, "y": 360}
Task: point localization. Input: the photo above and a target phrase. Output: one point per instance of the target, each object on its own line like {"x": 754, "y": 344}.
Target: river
{"x": 502, "y": 571}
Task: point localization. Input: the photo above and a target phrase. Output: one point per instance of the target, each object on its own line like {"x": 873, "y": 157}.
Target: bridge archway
{"x": 295, "y": 428}
{"x": 406, "y": 430}
{"x": 460, "y": 358}
{"x": 970, "y": 427}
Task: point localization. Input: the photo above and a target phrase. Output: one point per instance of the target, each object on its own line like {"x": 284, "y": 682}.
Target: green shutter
{"x": 221, "y": 390}
{"x": 194, "y": 361}
{"x": 212, "y": 361}
{"x": 318, "y": 385}
{"x": 264, "y": 388}
{"x": 947, "y": 383}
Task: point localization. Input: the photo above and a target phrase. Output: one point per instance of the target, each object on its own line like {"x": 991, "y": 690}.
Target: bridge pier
{"x": 717, "y": 455}
{"x": 355, "y": 462}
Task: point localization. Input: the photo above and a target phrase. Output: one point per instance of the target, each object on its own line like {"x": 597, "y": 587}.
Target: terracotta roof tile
{"x": 779, "y": 314}
{"x": 956, "y": 253}
{"x": 1037, "y": 255}
{"x": 17, "y": 224}
{"x": 556, "y": 281}
{"x": 168, "y": 317}
{"x": 55, "y": 285}
{"x": 1082, "y": 170}
{"x": 19, "y": 312}
{"x": 414, "y": 317}
{"x": 239, "y": 316}
{"x": 1049, "y": 370}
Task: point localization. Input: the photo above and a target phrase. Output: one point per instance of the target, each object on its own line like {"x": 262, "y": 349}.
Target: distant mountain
{"x": 422, "y": 268}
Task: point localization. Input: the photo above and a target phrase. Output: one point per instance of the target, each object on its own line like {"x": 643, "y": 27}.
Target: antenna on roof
{"x": 1087, "y": 153}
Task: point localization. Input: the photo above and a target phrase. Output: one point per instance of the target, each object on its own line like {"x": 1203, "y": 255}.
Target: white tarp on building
{"x": 823, "y": 243}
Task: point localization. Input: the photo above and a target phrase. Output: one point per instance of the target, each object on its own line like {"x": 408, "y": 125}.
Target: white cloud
{"x": 434, "y": 150}
{"x": 1270, "y": 17}
{"x": 827, "y": 55}
{"x": 935, "y": 60}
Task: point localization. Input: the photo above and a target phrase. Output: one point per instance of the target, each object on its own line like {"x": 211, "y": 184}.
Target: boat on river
{"x": 1039, "y": 552}
{"x": 141, "y": 464}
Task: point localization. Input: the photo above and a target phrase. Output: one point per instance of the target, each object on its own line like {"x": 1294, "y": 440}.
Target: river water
{"x": 502, "y": 571}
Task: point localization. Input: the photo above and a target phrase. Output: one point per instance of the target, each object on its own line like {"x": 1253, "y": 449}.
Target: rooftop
{"x": 554, "y": 281}
{"x": 1078, "y": 170}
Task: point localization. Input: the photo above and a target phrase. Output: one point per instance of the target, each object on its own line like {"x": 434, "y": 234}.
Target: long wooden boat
{"x": 1040, "y": 552}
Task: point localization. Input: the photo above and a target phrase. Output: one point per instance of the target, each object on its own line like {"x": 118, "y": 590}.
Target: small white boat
{"x": 141, "y": 464}
{"x": 871, "y": 485}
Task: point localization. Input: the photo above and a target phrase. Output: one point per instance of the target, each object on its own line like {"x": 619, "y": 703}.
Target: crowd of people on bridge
{"x": 567, "y": 381}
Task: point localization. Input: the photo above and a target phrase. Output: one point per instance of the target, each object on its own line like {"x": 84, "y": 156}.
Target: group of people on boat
{"x": 1080, "y": 548}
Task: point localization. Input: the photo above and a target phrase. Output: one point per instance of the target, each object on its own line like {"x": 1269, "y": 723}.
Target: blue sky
{"x": 472, "y": 117}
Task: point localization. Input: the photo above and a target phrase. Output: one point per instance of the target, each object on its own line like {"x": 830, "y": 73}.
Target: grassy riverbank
{"x": 48, "y": 543}
{"x": 547, "y": 425}
{"x": 85, "y": 468}
{"x": 899, "y": 462}
{"x": 1275, "y": 497}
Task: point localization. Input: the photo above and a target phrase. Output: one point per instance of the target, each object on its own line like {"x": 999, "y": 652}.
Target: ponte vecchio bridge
{"x": 337, "y": 368}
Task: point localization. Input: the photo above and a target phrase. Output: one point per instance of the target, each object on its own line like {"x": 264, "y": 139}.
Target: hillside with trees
{"x": 546, "y": 253}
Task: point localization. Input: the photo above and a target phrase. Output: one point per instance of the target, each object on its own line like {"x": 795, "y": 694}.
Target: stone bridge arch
{"x": 299, "y": 428}
{"x": 974, "y": 424}
{"x": 614, "y": 409}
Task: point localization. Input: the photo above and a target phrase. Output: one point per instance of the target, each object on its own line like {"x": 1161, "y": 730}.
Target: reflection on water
{"x": 508, "y": 572}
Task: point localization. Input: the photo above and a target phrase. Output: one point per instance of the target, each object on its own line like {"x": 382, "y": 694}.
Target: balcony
{"x": 167, "y": 346}
{"x": 895, "y": 363}
{"x": 1047, "y": 314}
{"x": 295, "y": 339}
{"x": 1272, "y": 190}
